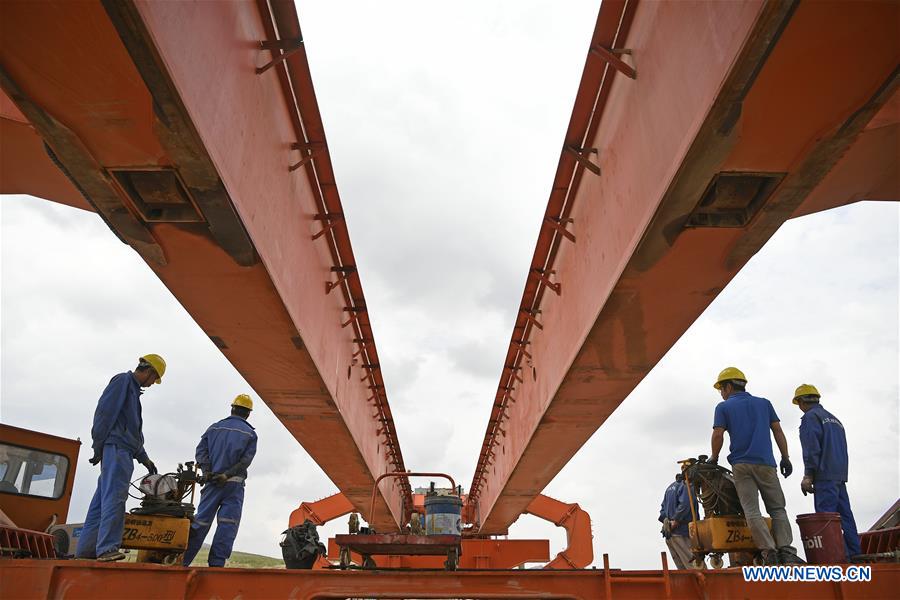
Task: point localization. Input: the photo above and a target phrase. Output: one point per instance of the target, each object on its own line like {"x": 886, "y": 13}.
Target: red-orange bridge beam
{"x": 192, "y": 129}
{"x": 698, "y": 129}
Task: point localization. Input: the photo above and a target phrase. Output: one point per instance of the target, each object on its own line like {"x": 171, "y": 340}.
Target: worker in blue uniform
{"x": 748, "y": 420}
{"x": 224, "y": 453}
{"x": 118, "y": 441}
{"x": 825, "y": 462}
{"x": 675, "y": 514}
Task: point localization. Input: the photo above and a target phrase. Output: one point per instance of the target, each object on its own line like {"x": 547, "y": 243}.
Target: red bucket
{"x": 822, "y": 538}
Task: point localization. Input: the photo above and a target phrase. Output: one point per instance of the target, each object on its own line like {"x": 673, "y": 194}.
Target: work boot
{"x": 111, "y": 556}
{"x": 786, "y": 557}
{"x": 769, "y": 558}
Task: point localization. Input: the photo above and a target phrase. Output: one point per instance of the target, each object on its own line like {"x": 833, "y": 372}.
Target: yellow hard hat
{"x": 244, "y": 401}
{"x": 156, "y": 361}
{"x": 805, "y": 390}
{"x": 728, "y": 374}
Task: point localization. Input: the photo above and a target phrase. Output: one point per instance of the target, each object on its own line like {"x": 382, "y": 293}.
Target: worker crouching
{"x": 224, "y": 453}
{"x": 118, "y": 440}
{"x": 825, "y": 462}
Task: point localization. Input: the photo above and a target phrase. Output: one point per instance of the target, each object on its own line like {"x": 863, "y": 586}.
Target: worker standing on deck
{"x": 748, "y": 420}
{"x": 118, "y": 441}
{"x": 825, "y": 462}
{"x": 675, "y": 514}
{"x": 224, "y": 453}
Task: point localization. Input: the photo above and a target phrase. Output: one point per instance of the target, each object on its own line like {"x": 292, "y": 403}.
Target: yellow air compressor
{"x": 723, "y": 528}
{"x": 159, "y": 528}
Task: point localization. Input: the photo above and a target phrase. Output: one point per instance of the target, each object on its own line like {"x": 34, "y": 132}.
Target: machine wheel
{"x": 172, "y": 559}
{"x": 452, "y": 559}
{"x": 697, "y": 563}
{"x": 368, "y": 563}
{"x": 715, "y": 561}
{"x": 345, "y": 558}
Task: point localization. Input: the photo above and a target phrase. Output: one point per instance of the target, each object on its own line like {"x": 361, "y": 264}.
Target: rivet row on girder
{"x": 330, "y": 220}
{"x": 308, "y": 151}
{"x": 344, "y": 271}
{"x": 287, "y": 48}
{"x": 610, "y": 57}
{"x": 582, "y": 156}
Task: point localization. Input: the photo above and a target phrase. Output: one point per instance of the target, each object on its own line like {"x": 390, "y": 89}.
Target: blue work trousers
{"x": 105, "y": 518}
{"x": 223, "y": 503}
{"x": 831, "y": 496}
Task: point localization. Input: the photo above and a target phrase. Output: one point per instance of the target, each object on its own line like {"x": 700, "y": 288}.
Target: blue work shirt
{"x": 748, "y": 420}
{"x": 676, "y": 506}
{"x": 117, "y": 419}
{"x": 228, "y": 447}
{"x": 824, "y": 445}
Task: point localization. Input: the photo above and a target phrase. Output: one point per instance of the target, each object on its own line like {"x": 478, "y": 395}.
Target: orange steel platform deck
{"x": 75, "y": 579}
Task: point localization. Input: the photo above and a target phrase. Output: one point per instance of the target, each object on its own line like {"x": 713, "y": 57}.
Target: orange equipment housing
{"x": 37, "y": 472}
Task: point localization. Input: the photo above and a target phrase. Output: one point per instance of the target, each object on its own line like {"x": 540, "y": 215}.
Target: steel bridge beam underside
{"x": 192, "y": 129}
{"x": 698, "y": 129}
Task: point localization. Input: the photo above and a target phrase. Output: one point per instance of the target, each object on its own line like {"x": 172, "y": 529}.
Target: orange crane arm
{"x": 579, "y": 551}
{"x": 321, "y": 511}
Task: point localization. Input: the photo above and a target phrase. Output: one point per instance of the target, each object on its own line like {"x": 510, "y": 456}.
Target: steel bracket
{"x": 308, "y": 150}
{"x": 330, "y": 220}
{"x": 521, "y": 346}
{"x": 610, "y": 57}
{"x": 345, "y": 272}
{"x": 559, "y": 224}
{"x": 287, "y": 48}
{"x": 531, "y": 315}
{"x": 544, "y": 277}
{"x": 582, "y": 156}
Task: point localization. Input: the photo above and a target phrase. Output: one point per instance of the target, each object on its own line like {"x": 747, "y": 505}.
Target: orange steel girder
{"x": 241, "y": 217}
{"x": 79, "y": 579}
{"x": 627, "y": 259}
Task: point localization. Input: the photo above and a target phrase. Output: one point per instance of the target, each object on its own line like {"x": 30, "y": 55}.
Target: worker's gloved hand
{"x": 98, "y": 454}
{"x": 150, "y": 466}
{"x": 807, "y": 486}
{"x": 712, "y": 460}
{"x": 219, "y": 478}
{"x": 786, "y": 467}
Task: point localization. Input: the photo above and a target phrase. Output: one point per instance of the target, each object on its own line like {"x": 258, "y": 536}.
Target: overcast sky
{"x": 444, "y": 124}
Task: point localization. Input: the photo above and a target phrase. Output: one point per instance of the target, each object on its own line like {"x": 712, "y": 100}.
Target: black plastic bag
{"x": 301, "y": 546}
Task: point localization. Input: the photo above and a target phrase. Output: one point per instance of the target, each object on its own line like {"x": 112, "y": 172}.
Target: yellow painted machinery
{"x": 159, "y": 528}
{"x": 723, "y": 528}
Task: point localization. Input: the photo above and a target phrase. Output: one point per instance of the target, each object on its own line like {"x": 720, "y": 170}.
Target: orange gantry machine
{"x": 192, "y": 129}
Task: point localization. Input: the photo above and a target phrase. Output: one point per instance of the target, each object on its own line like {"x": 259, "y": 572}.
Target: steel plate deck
{"x": 395, "y": 543}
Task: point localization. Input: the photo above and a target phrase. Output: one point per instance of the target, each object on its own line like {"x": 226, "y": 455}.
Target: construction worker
{"x": 675, "y": 514}
{"x": 825, "y": 462}
{"x": 224, "y": 453}
{"x": 117, "y": 442}
{"x": 748, "y": 420}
